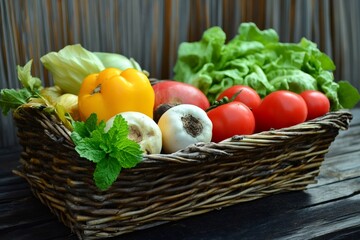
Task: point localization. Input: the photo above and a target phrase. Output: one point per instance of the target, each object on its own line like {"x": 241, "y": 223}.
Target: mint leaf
{"x": 128, "y": 153}
{"x": 91, "y": 123}
{"x": 12, "y": 99}
{"x": 106, "y": 172}
{"x": 90, "y": 149}
{"x": 79, "y": 132}
{"x": 117, "y": 131}
{"x": 111, "y": 150}
{"x": 84, "y": 129}
{"x": 125, "y": 150}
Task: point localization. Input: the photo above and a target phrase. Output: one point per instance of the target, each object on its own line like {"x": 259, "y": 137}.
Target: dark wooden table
{"x": 329, "y": 209}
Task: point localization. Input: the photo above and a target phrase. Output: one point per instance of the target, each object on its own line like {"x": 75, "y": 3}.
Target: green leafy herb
{"x": 111, "y": 150}
{"x": 257, "y": 59}
{"x": 12, "y": 98}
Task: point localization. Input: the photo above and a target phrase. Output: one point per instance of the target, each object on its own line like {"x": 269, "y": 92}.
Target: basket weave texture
{"x": 168, "y": 187}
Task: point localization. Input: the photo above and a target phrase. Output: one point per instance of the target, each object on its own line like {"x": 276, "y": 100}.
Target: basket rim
{"x": 339, "y": 120}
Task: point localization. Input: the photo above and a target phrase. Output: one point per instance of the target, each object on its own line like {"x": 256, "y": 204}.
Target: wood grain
{"x": 151, "y": 31}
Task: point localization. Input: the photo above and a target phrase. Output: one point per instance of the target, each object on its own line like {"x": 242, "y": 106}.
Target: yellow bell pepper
{"x": 113, "y": 91}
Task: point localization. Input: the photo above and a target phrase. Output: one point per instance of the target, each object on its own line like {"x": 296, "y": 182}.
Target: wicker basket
{"x": 163, "y": 188}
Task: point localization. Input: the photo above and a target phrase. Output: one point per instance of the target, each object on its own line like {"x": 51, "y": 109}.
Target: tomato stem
{"x": 223, "y": 101}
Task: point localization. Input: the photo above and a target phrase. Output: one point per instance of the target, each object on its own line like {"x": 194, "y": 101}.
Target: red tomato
{"x": 248, "y": 96}
{"x": 233, "y": 118}
{"x": 172, "y": 92}
{"x": 317, "y": 103}
{"x": 280, "y": 109}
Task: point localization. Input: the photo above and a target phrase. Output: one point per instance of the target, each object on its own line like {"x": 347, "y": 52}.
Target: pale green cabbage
{"x": 70, "y": 66}
{"x": 73, "y": 63}
{"x": 116, "y": 60}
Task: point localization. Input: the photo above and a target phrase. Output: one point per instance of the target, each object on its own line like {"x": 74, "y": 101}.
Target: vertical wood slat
{"x": 150, "y": 31}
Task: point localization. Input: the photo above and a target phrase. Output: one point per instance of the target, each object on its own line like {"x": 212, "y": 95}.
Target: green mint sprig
{"x": 111, "y": 150}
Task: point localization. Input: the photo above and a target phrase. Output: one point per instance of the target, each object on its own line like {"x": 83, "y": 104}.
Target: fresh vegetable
{"x": 280, "y": 109}
{"x": 229, "y": 119}
{"x": 113, "y": 91}
{"x": 170, "y": 93}
{"x": 11, "y": 99}
{"x": 161, "y": 109}
{"x": 174, "y": 93}
{"x": 115, "y": 60}
{"x": 70, "y": 103}
{"x": 348, "y": 95}
{"x": 142, "y": 129}
{"x": 70, "y": 66}
{"x": 244, "y": 94}
{"x": 183, "y": 125}
{"x": 66, "y": 103}
{"x": 257, "y": 59}
{"x": 51, "y": 94}
{"x": 32, "y": 94}
{"x": 73, "y": 63}
{"x": 317, "y": 103}
{"x": 110, "y": 151}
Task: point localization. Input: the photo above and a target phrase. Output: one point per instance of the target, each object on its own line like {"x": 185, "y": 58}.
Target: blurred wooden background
{"x": 150, "y": 31}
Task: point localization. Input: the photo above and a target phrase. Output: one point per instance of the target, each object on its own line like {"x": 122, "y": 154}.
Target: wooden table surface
{"x": 329, "y": 209}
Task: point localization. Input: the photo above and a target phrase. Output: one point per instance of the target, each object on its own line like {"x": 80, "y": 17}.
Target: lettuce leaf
{"x": 348, "y": 95}
{"x": 258, "y": 59}
{"x": 293, "y": 80}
